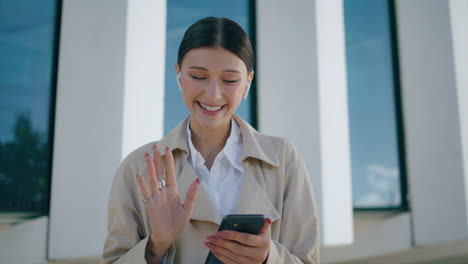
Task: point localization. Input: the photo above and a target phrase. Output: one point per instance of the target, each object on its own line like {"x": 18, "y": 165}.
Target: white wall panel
{"x": 459, "y": 25}
{"x": 432, "y": 122}
{"x": 302, "y": 95}
{"x": 109, "y": 102}
{"x": 373, "y": 236}
{"x": 144, "y": 74}
{"x": 24, "y": 242}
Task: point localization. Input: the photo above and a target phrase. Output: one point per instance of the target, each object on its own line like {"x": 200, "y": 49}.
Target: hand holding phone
{"x": 244, "y": 225}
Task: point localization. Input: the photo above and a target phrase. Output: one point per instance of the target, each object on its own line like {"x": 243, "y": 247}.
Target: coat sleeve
{"x": 299, "y": 230}
{"x": 126, "y": 238}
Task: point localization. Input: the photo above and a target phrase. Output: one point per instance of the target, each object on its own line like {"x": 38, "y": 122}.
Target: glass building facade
{"x": 373, "y": 104}
{"x": 28, "y": 31}
{"x": 28, "y": 48}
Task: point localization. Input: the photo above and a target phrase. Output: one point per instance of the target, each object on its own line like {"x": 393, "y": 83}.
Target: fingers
{"x": 154, "y": 186}
{"x": 144, "y": 190}
{"x": 242, "y": 247}
{"x": 226, "y": 256}
{"x": 170, "y": 171}
{"x": 252, "y": 253}
{"x": 157, "y": 162}
{"x": 266, "y": 226}
{"x": 191, "y": 195}
{"x": 243, "y": 238}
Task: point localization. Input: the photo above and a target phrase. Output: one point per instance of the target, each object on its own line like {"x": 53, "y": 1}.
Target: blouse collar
{"x": 232, "y": 150}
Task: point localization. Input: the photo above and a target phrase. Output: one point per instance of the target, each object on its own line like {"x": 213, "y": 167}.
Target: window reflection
{"x": 372, "y": 109}
{"x": 27, "y": 47}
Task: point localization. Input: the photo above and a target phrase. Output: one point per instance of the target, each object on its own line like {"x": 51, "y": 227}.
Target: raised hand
{"x": 167, "y": 214}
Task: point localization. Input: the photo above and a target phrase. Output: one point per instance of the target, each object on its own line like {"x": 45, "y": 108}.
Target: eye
{"x": 230, "y": 81}
{"x": 197, "y": 78}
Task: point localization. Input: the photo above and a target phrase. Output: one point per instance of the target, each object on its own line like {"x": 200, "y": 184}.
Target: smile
{"x": 210, "y": 108}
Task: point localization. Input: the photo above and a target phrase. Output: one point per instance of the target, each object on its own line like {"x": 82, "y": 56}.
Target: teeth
{"x": 210, "y": 108}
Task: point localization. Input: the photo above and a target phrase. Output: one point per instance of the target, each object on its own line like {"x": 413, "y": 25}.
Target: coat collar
{"x": 255, "y": 144}
{"x": 252, "y": 199}
{"x": 230, "y": 151}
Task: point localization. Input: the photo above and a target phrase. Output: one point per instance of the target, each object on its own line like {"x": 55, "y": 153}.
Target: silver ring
{"x": 146, "y": 200}
{"x": 162, "y": 184}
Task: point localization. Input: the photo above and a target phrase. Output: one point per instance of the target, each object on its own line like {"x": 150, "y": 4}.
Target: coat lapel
{"x": 204, "y": 208}
{"x": 253, "y": 197}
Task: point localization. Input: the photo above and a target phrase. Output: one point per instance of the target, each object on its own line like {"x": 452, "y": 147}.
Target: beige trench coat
{"x": 276, "y": 184}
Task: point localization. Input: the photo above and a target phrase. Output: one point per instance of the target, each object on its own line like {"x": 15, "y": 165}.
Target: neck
{"x": 209, "y": 142}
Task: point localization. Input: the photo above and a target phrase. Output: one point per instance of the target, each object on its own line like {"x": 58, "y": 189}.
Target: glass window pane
{"x": 27, "y": 46}
{"x": 180, "y": 15}
{"x": 372, "y": 108}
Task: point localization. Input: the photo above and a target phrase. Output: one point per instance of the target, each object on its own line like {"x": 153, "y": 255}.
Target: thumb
{"x": 266, "y": 226}
{"x": 191, "y": 196}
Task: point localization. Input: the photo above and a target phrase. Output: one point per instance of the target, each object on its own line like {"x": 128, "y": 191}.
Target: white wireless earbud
{"x": 178, "y": 81}
{"x": 248, "y": 86}
{"x": 247, "y": 92}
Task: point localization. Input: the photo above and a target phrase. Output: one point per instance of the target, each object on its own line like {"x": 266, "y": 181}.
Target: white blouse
{"x": 222, "y": 182}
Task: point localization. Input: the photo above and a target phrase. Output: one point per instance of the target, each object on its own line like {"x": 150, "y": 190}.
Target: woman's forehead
{"x": 213, "y": 59}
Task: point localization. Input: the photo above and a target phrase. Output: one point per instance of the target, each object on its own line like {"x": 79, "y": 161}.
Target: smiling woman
{"x": 181, "y": 14}
{"x": 215, "y": 77}
{"x": 211, "y": 165}
{"x": 213, "y": 81}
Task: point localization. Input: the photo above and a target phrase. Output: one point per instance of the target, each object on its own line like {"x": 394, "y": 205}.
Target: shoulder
{"x": 289, "y": 158}
{"x": 282, "y": 146}
{"x": 270, "y": 149}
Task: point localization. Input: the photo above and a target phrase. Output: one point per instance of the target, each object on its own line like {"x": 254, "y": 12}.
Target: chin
{"x": 210, "y": 122}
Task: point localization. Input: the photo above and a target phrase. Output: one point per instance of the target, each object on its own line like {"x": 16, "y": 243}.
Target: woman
{"x": 220, "y": 164}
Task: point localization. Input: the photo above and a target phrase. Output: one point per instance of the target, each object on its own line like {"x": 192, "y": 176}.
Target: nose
{"x": 213, "y": 90}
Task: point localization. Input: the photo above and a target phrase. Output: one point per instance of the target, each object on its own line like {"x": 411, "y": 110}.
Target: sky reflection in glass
{"x": 373, "y": 124}
{"x": 27, "y": 31}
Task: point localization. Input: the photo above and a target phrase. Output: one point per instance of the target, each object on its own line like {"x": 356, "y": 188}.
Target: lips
{"x": 210, "y": 108}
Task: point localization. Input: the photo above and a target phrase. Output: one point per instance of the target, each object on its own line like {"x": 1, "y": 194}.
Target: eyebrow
{"x": 201, "y": 68}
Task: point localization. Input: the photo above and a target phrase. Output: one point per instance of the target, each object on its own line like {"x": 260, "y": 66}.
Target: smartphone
{"x": 251, "y": 224}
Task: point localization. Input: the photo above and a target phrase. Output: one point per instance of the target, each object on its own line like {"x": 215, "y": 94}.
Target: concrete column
{"x": 428, "y": 46}
{"x": 110, "y": 97}
{"x": 302, "y": 95}
{"x": 24, "y": 242}
{"x": 459, "y": 25}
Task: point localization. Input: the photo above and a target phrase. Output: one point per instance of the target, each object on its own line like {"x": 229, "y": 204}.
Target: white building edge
{"x": 110, "y": 101}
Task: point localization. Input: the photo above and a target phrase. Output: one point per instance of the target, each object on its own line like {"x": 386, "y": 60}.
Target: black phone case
{"x": 251, "y": 224}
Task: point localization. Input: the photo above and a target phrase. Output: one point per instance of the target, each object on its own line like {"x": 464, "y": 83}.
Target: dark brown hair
{"x": 217, "y": 32}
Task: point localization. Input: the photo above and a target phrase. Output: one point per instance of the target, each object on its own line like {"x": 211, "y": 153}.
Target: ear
{"x": 176, "y": 66}
{"x": 251, "y": 76}
{"x": 249, "y": 82}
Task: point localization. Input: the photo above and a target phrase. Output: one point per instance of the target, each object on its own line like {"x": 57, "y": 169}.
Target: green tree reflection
{"x": 24, "y": 169}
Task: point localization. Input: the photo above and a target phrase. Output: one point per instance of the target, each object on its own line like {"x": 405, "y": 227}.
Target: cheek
{"x": 188, "y": 95}
{"x": 236, "y": 92}
{"x": 235, "y": 97}
{"x": 233, "y": 93}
